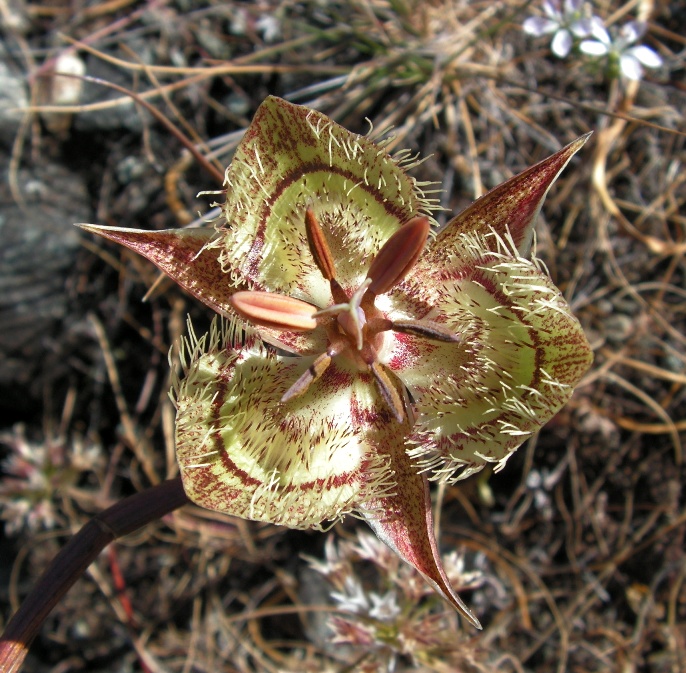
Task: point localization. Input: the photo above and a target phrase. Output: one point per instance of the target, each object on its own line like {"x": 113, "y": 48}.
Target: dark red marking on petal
{"x": 224, "y": 381}
{"x": 254, "y": 256}
{"x": 408, "y": 351}
{"x": 377, "y": 416}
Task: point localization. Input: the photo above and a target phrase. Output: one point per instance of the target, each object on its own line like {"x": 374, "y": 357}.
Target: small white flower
{"x": 269, "y": 27}
{"x": 565, "y": 21}
{"x": 334, "y": 562}
{"x": 623, "y": 59}
{"x": 384, "y": 608}
{"x": 370, "y": 548}
{"x": 353, "y": 599}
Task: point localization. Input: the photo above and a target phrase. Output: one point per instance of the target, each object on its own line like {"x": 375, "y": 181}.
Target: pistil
{"x": 351, "y": 317}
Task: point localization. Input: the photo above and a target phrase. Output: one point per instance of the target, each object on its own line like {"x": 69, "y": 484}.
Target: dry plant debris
{"x": 576, "y": 552}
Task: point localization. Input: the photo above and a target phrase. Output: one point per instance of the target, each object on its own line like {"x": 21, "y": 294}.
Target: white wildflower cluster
{"x": 385, "y": 610}
{"x": 35, "y": 476}
{"x": 574, "y": 27}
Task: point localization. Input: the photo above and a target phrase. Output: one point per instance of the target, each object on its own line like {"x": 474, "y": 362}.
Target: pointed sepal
{"x": 181, "y": 254}
{"x": 404, "y": 522}
{"x": 186, "y": 256}
{"x": 510, "y": 207}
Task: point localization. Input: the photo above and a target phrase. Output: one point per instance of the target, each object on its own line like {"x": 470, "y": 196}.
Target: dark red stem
{"x": 71, "y": 562}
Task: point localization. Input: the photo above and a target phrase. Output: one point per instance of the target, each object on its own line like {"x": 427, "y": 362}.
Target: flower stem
{"x": 74, "y": 558}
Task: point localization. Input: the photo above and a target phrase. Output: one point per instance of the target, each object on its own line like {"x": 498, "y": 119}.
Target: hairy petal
{"x": 292, "y": 161}
{"x": 520, "y": 354}
{"x": 299, "y": 463}
{"x": 405, "y": 523}
{"x": 511, "y": 206}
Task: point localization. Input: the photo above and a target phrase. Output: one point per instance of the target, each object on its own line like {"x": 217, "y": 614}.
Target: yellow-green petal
{"x": 299, "y": 463}
{"x": 521, "y": 354}
{"x": 291, "y": 159}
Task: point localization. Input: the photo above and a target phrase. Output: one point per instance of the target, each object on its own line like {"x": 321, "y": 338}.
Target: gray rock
{"x": 13, "y": 98}
{"x": 38, "y": 252}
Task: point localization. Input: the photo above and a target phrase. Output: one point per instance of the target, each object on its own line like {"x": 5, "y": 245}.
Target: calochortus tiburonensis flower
{"x": 363, "y": 351}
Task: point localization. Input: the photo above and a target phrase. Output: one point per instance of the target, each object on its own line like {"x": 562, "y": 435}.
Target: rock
{"x": 38, "y": 252}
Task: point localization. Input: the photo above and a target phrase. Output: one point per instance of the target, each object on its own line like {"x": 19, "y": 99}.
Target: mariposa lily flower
{"x": 364, "y": 354}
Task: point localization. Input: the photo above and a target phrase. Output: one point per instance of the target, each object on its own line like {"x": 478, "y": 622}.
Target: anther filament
{"x": 355, "y": 327}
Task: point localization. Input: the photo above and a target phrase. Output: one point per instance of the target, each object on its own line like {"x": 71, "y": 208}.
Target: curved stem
{"x": 203, "y": 162}
{"x": 74, "y": 558}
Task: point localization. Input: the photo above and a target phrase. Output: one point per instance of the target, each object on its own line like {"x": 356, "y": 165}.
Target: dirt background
{"x": 573, "y": 557}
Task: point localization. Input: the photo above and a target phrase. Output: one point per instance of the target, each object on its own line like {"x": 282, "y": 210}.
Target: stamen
{"x": 389, "y": 391}
{"x": 318, "y": 246}
{"x": 427, "y": 329}
{"x": 398, "y": 255}
{"x": 277, "y": 311}
{"x": 309, "y": 376}
{"x": 378, "y": 324}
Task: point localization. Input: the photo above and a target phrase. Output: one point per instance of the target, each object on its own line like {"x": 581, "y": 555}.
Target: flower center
{"x": 355, "y": 326}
